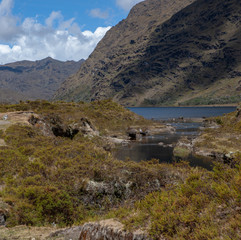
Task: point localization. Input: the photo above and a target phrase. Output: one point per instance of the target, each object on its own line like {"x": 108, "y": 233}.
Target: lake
{"x": 149, "y": 147}
{"x": 165, "y": 113}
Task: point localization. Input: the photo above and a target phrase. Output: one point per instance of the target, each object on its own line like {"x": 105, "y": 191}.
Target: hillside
{"x": 55, "y": 165}
{"x": 207, "y": 205}
{"x": 166, "y": 53}
{"x": 49, "y": 178}
{"x": 27, "y": 80}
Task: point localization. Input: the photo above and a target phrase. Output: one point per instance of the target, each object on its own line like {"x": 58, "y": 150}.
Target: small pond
{"x": 161, "y": 146}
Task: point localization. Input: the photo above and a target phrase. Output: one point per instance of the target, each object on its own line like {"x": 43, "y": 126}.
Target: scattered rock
{"x": 209, "y": 123}
{"x": 5, "y": 117}
{"x": 2, "y": 143}
{"x": 226, "y": 158}
{"x": 165, "y": 145}
{"x": 111, "y": 143}
{"x": 161, "y": 143}
{"x": 144, "y": 132}
{"x": 67, "y": 234}
{"x": 136, "y": 133}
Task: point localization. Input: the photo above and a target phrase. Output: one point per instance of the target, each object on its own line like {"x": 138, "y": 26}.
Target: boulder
{"x": 66, "y": 234}
{"x": 132, "y": 133}
{"x": 109, "y": 229}
{"x": 87, "y": 128}
{"x": 2, "y": 218}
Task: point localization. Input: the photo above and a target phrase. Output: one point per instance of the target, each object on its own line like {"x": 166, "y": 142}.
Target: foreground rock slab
{"x": 109, "y": 229}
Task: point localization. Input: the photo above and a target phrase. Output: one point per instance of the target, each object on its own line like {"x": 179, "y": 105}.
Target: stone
{"x": 87, "y": 128}
{"x": 132, "y": 133}
{"x": 67, "y": 234}
{"x": 109, "y": 229}
{"x": 2, "y": 218}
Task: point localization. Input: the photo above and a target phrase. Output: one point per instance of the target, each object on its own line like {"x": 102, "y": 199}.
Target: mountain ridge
{"x": 188, "y": 55}
{"x": 30, "y": 80}
{"x": 119, "y": 45}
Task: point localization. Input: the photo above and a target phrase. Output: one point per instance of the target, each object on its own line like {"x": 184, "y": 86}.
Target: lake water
{"x": 149, "y": 147}
{"x": 165, "y": 113}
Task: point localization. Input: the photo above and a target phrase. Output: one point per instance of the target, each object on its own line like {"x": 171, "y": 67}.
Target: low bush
{"x": 205, "y": 206}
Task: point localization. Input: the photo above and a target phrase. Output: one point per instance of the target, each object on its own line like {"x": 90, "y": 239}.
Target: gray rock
{"x": 2, "y": 218}
{"x": 67, "y": 234}
{"x": 109, "y": 229}
{"x": 132, "y": 133}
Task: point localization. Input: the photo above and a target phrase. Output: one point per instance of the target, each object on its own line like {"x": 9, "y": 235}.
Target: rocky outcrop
{"x": 109, "y": 229}
{"x": 53, "y": 125}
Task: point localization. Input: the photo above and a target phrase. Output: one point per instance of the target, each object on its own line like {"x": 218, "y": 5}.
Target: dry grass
{"x": 25, "y": 233}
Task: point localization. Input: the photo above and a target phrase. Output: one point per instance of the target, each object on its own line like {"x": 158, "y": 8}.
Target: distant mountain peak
{"x": 29, "y": 80}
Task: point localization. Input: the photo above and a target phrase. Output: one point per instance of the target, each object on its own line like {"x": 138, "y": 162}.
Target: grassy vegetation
{"x": 46, "y": 179}
{"x": 226, "y": 139}
{"x": 206, "y": 206}
{"x": 230, "y": 122}
{"x": 105, "y": 115}
{"x": 50, "y": 179}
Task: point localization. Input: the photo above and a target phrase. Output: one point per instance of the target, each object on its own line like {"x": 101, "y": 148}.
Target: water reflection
{"x": 161, "y": 146}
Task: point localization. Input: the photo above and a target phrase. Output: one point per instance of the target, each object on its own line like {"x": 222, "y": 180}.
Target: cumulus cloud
{"x": 98, "y": 13}
{"x": 54, "y": 16}
{"x": 127, "y": 4}
{"x": 30, "y": 40}
{"x": 8, "y": 22}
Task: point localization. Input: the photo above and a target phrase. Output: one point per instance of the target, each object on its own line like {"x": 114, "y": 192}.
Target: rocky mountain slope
{"x": 166, "y": 52}
{"x": 27, "y": 80}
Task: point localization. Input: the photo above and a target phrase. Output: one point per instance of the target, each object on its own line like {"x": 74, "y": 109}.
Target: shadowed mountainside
{"x": 122, "y": 46}
{"x": 166, "y": 52}
{"x": 27, "y": 80}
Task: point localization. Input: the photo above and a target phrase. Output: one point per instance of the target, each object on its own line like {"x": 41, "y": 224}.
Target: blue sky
{"x": 62, "y": 29}
{"x": 80, "y": 10}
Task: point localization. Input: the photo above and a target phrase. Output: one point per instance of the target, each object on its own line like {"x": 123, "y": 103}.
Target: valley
{"x": 117, "y": 146}
{"x": 57, "y": 168}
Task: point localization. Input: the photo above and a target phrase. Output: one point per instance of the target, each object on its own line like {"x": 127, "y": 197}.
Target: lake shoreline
{"x": 184, "y": 106}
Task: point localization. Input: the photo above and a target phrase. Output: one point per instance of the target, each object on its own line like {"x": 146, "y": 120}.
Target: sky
{"x": 61, "y": 29}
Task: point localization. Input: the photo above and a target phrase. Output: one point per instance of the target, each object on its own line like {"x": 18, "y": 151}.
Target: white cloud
{"x": 54, "y": 16}
{"x": 127, "y": 4}
{"x": 31, "y": 40}
{"x": 8, "y": 22}
{"x": 98, "y": 13}
{"x": 6, "y": 7}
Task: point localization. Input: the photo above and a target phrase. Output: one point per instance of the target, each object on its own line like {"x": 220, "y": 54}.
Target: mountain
{"x": 27, "y": 80}
{"x": 167, "y": 52}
